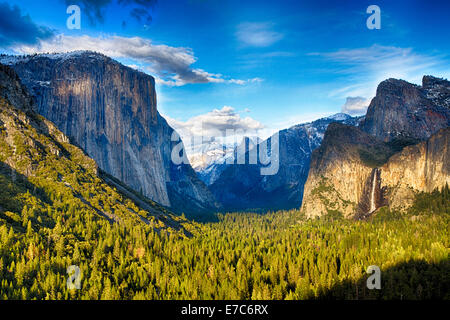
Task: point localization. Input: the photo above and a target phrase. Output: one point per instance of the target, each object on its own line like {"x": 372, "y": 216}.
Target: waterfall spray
{"x": 373, "y": 205}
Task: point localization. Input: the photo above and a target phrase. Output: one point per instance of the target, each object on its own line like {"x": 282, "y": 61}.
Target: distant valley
{"x": 110, "y": 112}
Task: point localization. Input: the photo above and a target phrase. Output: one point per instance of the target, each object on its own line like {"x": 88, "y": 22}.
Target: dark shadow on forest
{"x": 413, "y": 280}
{"x": 23, "y": 183}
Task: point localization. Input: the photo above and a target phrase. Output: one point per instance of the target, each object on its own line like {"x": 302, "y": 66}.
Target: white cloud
{"x": 257, "y": 34}
{"x": 171, "y": 65}
{"x": 355, "y": 105}
{"x": 133, "y": 66}
{"x": 365, "y": 68}
{"x": 215, "y": 123}
{"x": 218, "y": 127}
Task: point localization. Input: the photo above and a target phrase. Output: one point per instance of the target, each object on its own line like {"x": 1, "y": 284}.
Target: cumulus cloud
{"x": 257, "y": 34}
{"x": 215, "y": 123}
{"x": 16, "y": 28}
{"x": 355, "y": 105}
{"x": 171, "y": 65}
{"x": 213, "y": 130}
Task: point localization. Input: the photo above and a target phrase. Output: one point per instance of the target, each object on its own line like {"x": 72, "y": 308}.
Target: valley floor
{"x": 278, "y": 255}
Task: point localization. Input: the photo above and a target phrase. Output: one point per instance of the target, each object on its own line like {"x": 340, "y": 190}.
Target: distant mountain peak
{"x": 402, "y": 109}
{"x": 240, "y": 187}
{"x": 340, "y": 116}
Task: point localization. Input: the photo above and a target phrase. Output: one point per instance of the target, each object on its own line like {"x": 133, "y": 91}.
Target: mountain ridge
{"x": 414, "y": 112}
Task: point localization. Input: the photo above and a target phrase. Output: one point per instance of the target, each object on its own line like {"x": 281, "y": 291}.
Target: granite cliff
{"x": 401, "y": 110}
{"x": 400, "y": 149}
{"x": 110, "y": 111}
{"x": 42, "y": 174}
{"x": 421, "y": 167}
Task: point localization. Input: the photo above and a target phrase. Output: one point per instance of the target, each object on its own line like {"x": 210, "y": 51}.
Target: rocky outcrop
{"x": 110, "y": 111}
{"x": 404, "y": 111}
{"x": 342, "y": 170}
{"x": 341, "y": 179}
{"x": 402, "y": 148}
{"x": 12, "y": 90}
{"x": 422, "y": 167}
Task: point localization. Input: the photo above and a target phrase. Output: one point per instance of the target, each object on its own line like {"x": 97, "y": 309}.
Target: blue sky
{"x": 273, "y": 64}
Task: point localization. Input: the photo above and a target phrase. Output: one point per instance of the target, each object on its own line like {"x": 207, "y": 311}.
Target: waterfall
{"x": 373, "y": 204}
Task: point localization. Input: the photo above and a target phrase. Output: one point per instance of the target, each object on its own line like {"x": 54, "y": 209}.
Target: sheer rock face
{"x": 36, "y": 156}
{"x": 404, "y": 110}
{"x": 110, "y": 111}
{"x": 337, "y": 176}
{"x": 356, "y": 170}
{"x": 422, "y": 167}
{"x": 341, "y": 179}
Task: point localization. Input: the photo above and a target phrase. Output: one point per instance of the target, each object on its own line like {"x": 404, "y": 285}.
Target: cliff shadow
{"x": 12, "y": 185}
{"x": 412, "y": 280}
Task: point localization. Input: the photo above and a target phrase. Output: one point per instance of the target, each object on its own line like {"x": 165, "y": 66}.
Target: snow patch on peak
{"x": 15, "y": 59}
{"x": 339, "y": 116}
